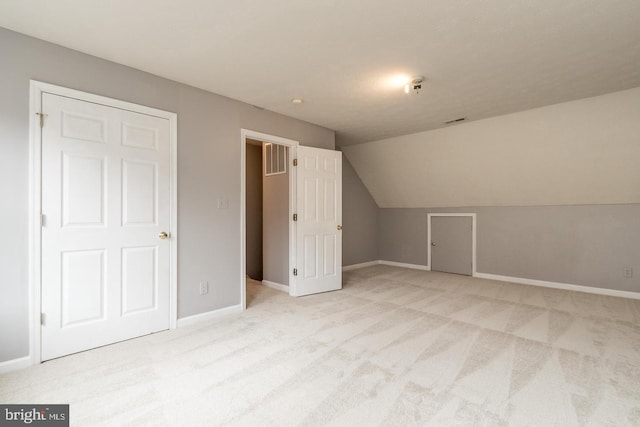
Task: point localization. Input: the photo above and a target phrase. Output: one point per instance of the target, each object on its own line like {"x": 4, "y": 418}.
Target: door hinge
{"x": 295, "y": 271}
{"x": 42, "y": 319}
{"x": 41, "y": 116}
{"x": 43, "y": 220}
{"x": 295, "y": 162}
{"x": 295, "y": 217}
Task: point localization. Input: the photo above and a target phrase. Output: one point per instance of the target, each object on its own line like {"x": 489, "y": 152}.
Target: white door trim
{"x": 473, "y": 237}
{"x": 35, "y": 195}
{"x": 292, "y": 144}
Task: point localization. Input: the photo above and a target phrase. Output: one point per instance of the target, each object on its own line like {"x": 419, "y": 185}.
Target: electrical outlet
{"x": 627, "y": 272}
{"x": 204, "y": 288}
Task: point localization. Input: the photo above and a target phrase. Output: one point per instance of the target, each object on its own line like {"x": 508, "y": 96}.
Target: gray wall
{"x": 254, "y": 211}
{"x": 359, "y": 219}
{"x": 585, "y": 245}
{"x": 275, "y": 232}
{"x": 208, "y": 168}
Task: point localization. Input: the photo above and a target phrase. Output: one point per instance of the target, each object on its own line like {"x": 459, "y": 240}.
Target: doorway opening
{"x": 267, "y": 216}
{"x": 451, "y": 239}
{"x": 314, "y": 259}
{"x": 268, "y": 200}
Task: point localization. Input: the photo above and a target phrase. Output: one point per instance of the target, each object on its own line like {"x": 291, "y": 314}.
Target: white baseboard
{"x": 213, "y": 314}
{"x": 402, "y": 264}
{"x": 15, "y": 364}
{"x": 360, "y": 265}
{"x": 556, "y": 285}
{"x": 520, "y": 280}
{"x": 276, "y": 286}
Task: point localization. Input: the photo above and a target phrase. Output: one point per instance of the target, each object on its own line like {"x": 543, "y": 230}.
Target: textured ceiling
{"x": 480, "y": 58}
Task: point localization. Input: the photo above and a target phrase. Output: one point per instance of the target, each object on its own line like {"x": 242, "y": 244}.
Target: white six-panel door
{"x": 319, "y": 209}
{"x": 105, "y": 201}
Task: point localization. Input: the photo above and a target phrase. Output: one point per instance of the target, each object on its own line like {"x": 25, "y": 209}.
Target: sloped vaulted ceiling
{"x": 579, "y": 152}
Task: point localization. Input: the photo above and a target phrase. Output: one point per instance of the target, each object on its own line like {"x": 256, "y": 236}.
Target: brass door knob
{"x": 339, "y": 227}
{"x": 163, "y": 235}
{"x": 433, "y": 243}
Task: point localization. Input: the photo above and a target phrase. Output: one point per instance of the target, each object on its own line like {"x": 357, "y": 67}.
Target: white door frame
{"x": 292, "y": 144}
{"x": 473, "y": 238}
{"x": 36, "y": 89}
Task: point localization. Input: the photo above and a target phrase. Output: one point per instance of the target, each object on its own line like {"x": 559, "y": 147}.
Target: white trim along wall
{"x": 277, "y": 286}
{"x": 15, "y": 364}
{"x": 520, "y": 280}
{"x": 209, "y": 315}
{"x": 35, "y": 209}
{"x": 473, "y": 237}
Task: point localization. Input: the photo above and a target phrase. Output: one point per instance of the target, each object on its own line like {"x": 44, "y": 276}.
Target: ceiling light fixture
{"x": 415, "y": 84}
{"x": 396, "y": 80}
{"x": 297, "y": 101}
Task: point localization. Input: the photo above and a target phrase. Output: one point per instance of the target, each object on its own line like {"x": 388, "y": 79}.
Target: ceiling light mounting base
{"x": 415, "y": 85}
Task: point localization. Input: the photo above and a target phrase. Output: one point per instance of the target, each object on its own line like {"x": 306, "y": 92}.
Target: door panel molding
{"x": 473, "y": 237}
{"x": 36, "y": 219}
{"x": 319, "y": 242}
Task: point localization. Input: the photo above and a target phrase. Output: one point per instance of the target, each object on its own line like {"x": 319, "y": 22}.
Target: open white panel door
{"x": 319, "y": 209}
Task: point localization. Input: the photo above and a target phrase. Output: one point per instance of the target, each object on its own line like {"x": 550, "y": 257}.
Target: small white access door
{"x": 319, "y": 210}
{"x": 105, "y": 201}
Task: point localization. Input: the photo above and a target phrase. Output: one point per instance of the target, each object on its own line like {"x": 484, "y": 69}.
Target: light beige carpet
{"x": 395, "y": 347}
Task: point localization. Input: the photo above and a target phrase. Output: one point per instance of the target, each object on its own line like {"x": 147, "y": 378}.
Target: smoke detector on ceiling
{"x": 415, "y": 85}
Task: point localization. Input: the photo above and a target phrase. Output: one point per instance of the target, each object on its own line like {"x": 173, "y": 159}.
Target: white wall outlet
{"x": 223, "y": 203}
{"x": 204, "y": 288}
{"x": 627, "y": 272}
